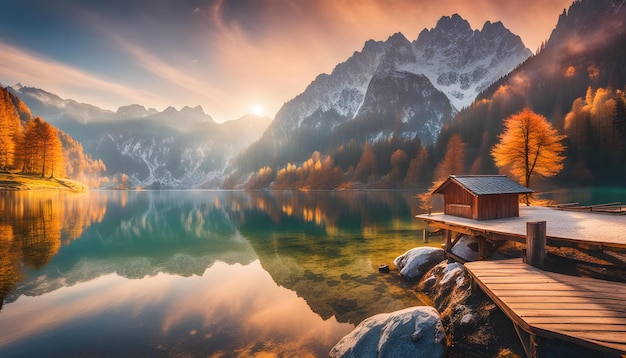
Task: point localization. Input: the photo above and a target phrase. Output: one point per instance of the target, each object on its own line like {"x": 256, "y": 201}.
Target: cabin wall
{"x": 458, "y": 201}
{"x": 497, "y": 206}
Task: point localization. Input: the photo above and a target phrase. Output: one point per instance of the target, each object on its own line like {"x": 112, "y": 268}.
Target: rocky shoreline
{"x": 459, "y": 321}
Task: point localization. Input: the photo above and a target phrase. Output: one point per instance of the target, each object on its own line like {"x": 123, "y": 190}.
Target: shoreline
{"x": 10, "y": 182}
{"x": 474, "y": 325}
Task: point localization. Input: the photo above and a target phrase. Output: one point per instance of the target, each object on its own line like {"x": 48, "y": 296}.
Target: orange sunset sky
{"x": 232, "y": 57}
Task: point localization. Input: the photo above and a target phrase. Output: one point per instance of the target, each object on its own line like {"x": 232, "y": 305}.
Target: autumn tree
{"x": 261, "y": 180}
{"x": 416, "y": 172}
{"x": 366, "y": 168}
{"x": 286, "y": 177}
{"x": 399, "y": 162}
{"x": 41, "y": 149}
{"x": 595, "y": 127}
{"x": 79, "y": 165}
{"x": 323, "y": 174}
{"x": 10, "y": 128}
{"x": 452, "y": 162}
{"x": 529, "y": 146}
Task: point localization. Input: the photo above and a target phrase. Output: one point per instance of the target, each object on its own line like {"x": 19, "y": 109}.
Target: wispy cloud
{"x": 172, "y": 74}
{"x": 228, "y": 55}
{"x": 19, "y": 65}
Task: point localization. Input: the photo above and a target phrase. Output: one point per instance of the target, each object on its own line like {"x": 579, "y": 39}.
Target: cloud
{"x": 227, "y": 54}
{"x": 19, "y": 65}
{"x": 171, "y": 73}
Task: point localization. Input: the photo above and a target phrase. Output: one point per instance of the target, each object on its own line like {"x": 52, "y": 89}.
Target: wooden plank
{"x": 616, "y": 306}
{"x": 564, "y": 313}
{"x": 581, "y": 310}
{"x": 577, "y": 320}
{"x": 523, "y": 290}
{"x": 556, "y": 285}
{"x": 565, "y": 299}
{"x": 612, "y": 329}
{"x": 537, "y": 294}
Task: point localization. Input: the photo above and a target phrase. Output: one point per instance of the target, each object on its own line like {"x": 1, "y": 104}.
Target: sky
{"x": 232, "y": 57}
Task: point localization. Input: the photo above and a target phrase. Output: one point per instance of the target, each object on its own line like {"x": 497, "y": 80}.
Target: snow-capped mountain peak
{"x": 458, "y": 61}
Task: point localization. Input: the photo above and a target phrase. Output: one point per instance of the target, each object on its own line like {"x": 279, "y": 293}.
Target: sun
{"x": 257, "y": 109}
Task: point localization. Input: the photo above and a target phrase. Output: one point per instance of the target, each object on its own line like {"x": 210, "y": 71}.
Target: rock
{"x": 466, "y": 248}
{"x": 414, "y": 263}
{"x": 473, "y": 323}
{"x": 411, "y": 332}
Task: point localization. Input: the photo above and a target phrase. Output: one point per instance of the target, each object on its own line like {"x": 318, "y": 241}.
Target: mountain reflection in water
{"x": 197, "y": 272}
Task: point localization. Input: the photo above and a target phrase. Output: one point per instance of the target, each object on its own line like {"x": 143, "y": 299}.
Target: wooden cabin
{"x": 481, "y": 197}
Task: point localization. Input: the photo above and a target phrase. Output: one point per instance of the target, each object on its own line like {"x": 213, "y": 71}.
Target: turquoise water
{"x": 586, "y": 196}
{"x": 198, "y": 273}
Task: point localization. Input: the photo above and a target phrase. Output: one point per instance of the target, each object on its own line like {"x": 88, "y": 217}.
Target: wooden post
{"x": 448, "y": 234}
{"x": 482, "y": 242}
{"x": 536, "y": 243}
{"x": 425, "y": 236}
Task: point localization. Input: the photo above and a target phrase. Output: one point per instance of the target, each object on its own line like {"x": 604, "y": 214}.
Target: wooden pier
{"x": 584, "y": 311}
{"x": 564, "y": 228}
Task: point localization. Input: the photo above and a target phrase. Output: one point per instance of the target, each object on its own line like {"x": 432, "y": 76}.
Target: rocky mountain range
{"x": 170, "y": 149}
{"x": 393, "y": 88}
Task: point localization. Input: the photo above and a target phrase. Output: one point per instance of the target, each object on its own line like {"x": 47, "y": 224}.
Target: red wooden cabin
{"x": 481, "y": 197}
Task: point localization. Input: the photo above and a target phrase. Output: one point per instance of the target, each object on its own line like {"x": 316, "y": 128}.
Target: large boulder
{"x": 414, "y": 263}
{"x": 474, "y": 324}
{"x": 411, "y": 332}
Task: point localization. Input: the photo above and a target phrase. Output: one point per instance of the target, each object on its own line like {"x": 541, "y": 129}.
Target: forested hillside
{"x": 30, "y": 145}
{"x": 370, "y": 122}
{"x": 577, "y": 82}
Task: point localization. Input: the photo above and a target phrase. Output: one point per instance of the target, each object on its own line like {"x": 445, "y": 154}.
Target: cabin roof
{"x": 484, "y": 184}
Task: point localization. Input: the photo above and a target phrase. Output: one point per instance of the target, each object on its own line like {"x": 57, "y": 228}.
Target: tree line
{"x": 31, "y": 145}
{"x": 35, "y": 149}
{"x": 529, "y": 146}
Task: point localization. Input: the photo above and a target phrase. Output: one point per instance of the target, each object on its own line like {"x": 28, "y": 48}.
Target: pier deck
{"x": 604, "y": 230}
{"x": 584, "y": 311}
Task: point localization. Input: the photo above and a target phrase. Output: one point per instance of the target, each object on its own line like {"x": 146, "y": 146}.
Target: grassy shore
{"x": 15, "y": 181}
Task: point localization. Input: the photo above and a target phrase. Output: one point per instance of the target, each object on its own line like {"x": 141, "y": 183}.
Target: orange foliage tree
{"x": 416, "y": 171}
{"x": 529, "y": 146}
{"x": 366, "y": 168}
{"x": 10, "y": 128}
{"x": 595, "y": 127}
{"x": 452, "y": 162}
{"x": 41, "y": 149}
{"x": 260, "y": 180}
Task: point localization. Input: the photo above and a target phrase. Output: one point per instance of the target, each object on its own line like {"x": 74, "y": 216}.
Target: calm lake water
{"x": 198, "y": 273}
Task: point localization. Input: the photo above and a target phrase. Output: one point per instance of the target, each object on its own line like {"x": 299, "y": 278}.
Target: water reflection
{"x": 327, "y": 247}
{"x": 143, "y": 234}
{"x": 198, "y": 272}
{"x": 34, "y": 225}
{"x": 218, "y": 313}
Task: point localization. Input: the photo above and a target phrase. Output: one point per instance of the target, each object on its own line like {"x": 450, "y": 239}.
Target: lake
{"x": 198, "y": 273}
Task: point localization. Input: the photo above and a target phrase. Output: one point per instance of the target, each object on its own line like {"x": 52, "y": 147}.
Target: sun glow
{"x": 257, "y": 109}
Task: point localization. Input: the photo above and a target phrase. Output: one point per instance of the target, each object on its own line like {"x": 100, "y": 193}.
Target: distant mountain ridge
{"x": 174, "y": 148}
{"x": 392, "y": 88}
